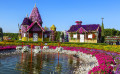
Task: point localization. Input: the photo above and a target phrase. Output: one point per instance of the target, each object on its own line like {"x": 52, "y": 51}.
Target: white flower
{"x": 37, "y": 49}
{"x": 59, "y": 49}
{"x": 19, "y": 47}
{"x": 45, "y": 47}
{"x": 25, "y": 49}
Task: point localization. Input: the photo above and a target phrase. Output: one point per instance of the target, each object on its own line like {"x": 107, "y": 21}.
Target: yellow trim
{"x": 85, "y": 41}
{"x": 46, "y": 39}
{"x": 30, "y": 39}
{"x": 39, "y": 39}
{"x": 24, "y": 39}
{"x": 74, "y": 40}
{"x": 19, "y": 36}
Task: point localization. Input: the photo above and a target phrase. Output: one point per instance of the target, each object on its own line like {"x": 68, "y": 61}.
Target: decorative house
{"x": 31, "y": 28}
{"x": 85, "y": 33}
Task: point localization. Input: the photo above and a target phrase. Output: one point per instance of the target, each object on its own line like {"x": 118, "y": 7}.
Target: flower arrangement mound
{"x": 101, "y": 70}
{"x": 7, "y": 47}
{"x": 104, "y": 60}
{"x": 52, "y": 47}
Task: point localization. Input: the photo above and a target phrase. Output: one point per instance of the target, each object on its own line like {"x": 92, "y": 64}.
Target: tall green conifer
{"x": 102, "y": 32}
{"x": 102, "y": 28}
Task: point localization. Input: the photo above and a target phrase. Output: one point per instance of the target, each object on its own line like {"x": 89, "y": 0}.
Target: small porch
{"x": 35, "y": 36}
{"x": 35, "y": 32}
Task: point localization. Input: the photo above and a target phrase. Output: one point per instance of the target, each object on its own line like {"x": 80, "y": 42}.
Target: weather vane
{"x": 26, "y": 15}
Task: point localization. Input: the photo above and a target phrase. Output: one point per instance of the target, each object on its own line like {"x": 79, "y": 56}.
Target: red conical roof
{"x": 35, "y": 16}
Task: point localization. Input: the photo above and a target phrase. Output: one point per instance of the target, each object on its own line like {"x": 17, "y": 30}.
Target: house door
{"x": 81, "y": 37}
{"x": 35, "y": 36}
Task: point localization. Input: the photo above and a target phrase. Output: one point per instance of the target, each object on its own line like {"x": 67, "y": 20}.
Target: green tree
{"x": 107, "y": 32}
{"x": 102, "y": 28}
{"x": 102, "y": 33}
{"x": 118, "y": 33}
{"x": 111, "y": 32}
{"x": 14, "y": 36}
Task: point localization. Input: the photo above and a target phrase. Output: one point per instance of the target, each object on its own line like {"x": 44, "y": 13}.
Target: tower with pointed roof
{"x": 35, "y": 16}
{"x": 31, "y": 28}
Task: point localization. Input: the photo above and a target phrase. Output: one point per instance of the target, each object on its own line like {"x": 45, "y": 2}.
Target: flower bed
{"x": 7, "y": 47}
{"x": 103, "y": 58}
{"x": 101, "y": 46}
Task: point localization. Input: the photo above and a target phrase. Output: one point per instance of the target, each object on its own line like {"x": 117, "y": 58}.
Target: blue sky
{"x": 61, "y": 13}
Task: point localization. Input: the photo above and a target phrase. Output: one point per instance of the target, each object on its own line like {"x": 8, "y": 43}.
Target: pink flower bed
{"x": 7, "y": 47}
{"x": 104, "y": 60}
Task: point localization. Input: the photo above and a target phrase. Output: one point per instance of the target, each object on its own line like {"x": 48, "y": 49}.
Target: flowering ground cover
{"x": 7, "y": 47}
{"x": 101, "y": 46}
{"x": 105, "y": 60}
{"x": 116, "y": 58}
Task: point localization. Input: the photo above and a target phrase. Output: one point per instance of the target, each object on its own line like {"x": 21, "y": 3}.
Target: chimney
{"x": 78, "y": 22}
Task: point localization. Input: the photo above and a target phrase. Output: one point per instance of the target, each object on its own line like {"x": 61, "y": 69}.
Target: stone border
{"x": 84, "y": 68}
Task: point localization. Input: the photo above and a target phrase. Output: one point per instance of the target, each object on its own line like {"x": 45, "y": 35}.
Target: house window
{"x": 24, "y": 34}
{"x": 90, "y": 36}
{"x": 45, "y": 36}
{"x": 74, "y": 35}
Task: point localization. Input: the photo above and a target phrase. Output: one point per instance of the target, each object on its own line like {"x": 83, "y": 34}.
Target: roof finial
{"x": 27, "y": 15}
{"x": 35, "y": 4}
{"x": 18, "y": 26}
